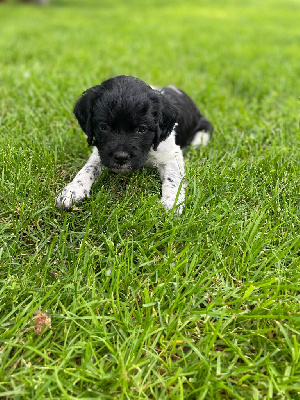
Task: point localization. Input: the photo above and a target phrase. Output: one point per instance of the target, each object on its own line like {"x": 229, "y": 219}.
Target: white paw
{"x": 169, "y": 204}
{"x": 71, "y": 195}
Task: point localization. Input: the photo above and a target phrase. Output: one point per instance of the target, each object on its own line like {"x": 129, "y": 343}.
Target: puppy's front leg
{"x": 81, "y": 185}
{"x": 172, "y": 174}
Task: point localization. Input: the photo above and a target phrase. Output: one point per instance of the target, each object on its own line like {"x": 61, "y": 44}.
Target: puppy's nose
{"x": 121, "y": 157}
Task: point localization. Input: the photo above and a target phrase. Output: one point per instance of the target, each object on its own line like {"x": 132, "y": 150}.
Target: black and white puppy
{"x": 131, "y": 125}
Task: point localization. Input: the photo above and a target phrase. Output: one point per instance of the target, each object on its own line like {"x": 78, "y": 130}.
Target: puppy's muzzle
{"x": 121, "y": 157}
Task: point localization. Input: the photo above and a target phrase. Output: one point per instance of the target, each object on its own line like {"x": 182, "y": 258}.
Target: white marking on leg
{"x": 201, "y": 139}
{"x": 168, "y": 159}
{"x": 81, "y": 185}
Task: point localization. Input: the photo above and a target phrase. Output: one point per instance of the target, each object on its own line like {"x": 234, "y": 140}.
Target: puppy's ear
{"x": 83, "y": 110}
{"x": 167, "y": 117}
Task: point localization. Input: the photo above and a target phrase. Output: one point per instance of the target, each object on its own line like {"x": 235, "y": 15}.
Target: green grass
{"x": 202, "y": 306}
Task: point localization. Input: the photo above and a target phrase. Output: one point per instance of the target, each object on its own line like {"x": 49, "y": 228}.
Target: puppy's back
{"x": 190, "y": 120}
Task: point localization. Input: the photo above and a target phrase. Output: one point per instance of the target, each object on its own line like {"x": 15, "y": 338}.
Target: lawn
{"x": 201, "y": 306}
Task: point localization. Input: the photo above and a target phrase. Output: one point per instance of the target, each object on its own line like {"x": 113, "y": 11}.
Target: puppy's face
{"x": 123, "y": 117}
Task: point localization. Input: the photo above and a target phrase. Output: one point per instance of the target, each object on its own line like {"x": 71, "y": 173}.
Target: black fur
{"x": 124, "y": 118}
{"x": 189, "y": 118}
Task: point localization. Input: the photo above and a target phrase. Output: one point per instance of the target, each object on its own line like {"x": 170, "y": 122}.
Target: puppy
{"x": 131, "y": 125}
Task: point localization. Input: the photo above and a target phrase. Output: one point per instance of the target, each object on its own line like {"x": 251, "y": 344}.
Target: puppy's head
{"x": 124, "y": 117}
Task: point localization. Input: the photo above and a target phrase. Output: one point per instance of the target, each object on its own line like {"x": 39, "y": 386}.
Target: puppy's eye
{"x": 103, "y": 126}
{"x": 142, "y": 129}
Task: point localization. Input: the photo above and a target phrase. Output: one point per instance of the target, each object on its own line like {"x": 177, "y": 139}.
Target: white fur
{"x": 175, "y": 89}
{"x": 201, "y": 138}
{"x": 81, "y": 185}
{"x": 168, "y": 160}
{"x": 155, "y": 88}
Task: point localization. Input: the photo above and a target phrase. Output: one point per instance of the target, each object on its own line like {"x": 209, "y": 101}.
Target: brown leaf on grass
{"x": 40, "y": 320}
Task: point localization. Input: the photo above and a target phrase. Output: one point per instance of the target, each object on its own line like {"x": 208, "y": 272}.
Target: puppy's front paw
{"x": 169, "y": 204}
{"x": 71, "y": 195}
